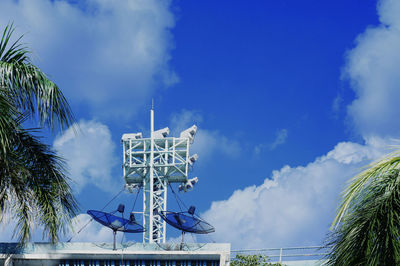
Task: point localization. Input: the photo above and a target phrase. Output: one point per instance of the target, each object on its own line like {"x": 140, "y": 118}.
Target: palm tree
{"x": 367, "y": 225}
{"x": 34, "y": 189}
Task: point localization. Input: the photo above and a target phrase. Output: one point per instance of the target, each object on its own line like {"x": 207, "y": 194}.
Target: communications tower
{"x": 152, "y": 163}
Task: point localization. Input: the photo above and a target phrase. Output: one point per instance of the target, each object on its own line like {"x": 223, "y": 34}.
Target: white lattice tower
{"x": 152, "y": 163}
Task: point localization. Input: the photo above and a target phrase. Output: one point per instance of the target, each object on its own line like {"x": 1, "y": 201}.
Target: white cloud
{"x": 85, "y": 229}
{"x": 90, "y": 154}
{"x": 258, "y": 148}
{"x": 336, "y": 104}
{"x": 281, "y": 136}
{"x": 373, "y": 68}
{"x": 206, "y": 142}
{"x": 109, "y": 55}
{"x": 184, "y": 119}
{"x": 294, "y": 207}
{"x": 297, "y": 205}
{"x": 6, "y": 232}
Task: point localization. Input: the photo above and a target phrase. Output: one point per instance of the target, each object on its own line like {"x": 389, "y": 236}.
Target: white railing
{"x": 286, "y": 254}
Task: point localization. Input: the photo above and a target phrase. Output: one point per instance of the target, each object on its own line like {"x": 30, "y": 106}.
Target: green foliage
{"x": 34, "y": 189}
{"x": 30, "y": 91}
{"x": 252, "y": 260}
{"x": 368, "y": 222}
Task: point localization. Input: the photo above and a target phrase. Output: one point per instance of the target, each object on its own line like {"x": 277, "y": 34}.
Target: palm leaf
{"x": 35, "y": 181}
{"x": 7, "y": 124}
{"x": 34, "y": 187}
{"x": 357, "y": 184}
{"x": 29, "y": 87}
{"x": 369, "y": 234}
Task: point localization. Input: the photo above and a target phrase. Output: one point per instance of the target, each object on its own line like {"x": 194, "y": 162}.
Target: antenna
{"x": 116, "y": 223}
{"x": 153, "y": 163}
{"x": 187, "y": 221}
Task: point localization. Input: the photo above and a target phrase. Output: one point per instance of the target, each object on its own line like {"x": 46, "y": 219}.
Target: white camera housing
{"x": 132, "y": 187}
{"x": 189, "y": 133}
{"x": 188, "y": 186}
{"x": 161, "y": 133}
{"x": 193, "y": 158}
{"x": 128, "y": 136}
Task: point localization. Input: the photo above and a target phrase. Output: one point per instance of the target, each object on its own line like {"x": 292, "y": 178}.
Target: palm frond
{"x": 29, "y": 87}
{"x": 369, "y": 234}
{"x": 353, "y": 192}
{"x": 34, "y": 187}
{"x": 7, "y": 122}
{"x": 47, "y": 183}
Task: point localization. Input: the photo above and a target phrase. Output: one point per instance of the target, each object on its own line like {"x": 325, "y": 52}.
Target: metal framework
{"x": 152, "y": 163}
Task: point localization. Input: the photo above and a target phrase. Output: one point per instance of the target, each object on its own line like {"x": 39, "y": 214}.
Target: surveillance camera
{"x": 188, "y": 185}
{"x": 194, "y": 180}
{"x": 189, "y": 133}
{"x": 193, "y": 158}
{"x": 126, "y": 137}
{"x": 161, "y": 133}
{"x": 132, "y": 187}
{"x": 185, "y": 187}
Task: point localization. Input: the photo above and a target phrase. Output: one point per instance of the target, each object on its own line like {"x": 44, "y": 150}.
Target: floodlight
{"x": 161, "y": 133}
{"x": 189, "y": 133}
{"x": 128, "y": 136}
{"x": 193, "y": 158}
{"x": 185, "y": 187}
{"x": 132, "y": 187}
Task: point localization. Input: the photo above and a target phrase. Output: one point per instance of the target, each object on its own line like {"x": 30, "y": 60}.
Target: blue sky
{"x": 291, "y": 99}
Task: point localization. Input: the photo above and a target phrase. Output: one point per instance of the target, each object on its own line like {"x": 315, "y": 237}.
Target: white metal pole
{"x": 165, "y": 209}
{"x": 144, "y": 199}
{"x": 151, "y": 175}
{"x": 164, "y": 184}
{"x": 124, "y": 159}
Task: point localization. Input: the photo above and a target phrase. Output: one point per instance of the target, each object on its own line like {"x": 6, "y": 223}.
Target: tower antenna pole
{"x": 151, "y": 176}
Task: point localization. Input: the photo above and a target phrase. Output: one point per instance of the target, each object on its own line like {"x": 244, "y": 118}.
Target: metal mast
{"x": 152, "y": 163}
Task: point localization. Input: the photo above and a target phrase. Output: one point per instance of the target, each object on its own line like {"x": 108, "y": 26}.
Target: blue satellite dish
{"x": 116, "y": 223}
{"x": 187, "y": 221}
